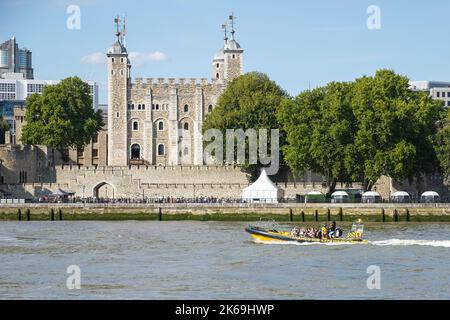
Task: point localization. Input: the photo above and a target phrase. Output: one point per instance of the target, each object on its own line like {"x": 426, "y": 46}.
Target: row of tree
{"x": 345, "y": 131}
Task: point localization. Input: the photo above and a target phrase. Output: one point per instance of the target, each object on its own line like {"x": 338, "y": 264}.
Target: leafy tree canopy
{"x": 3, "y": 128}
{"x": 361, "y": 130}
{"x": 62, "y": 117}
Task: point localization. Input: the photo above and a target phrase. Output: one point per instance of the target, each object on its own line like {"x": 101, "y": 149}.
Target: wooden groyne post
{"x": 341, "y": 214}
{"x": 395, "y": 215}
{"x": 328, "y": 215}
{"x": 316, "y": 215}
{"x": 28, "y": 215}
{"x": 52, "y": 214}
{"x": 383, "y": 215}
{"x": 302, "y": 214}
{"x": 159, "y": 214}
{"x": 408, "y": 216}
{"x": 60, "y": 217}
{"x": 19, "y": 214}
{"x": 291, "y": 215}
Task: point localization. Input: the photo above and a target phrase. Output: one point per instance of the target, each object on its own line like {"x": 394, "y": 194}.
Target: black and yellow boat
{"x": 273, "y": 235}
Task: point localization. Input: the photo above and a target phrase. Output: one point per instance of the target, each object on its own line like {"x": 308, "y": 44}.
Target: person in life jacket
{"x": 324, "y": 231}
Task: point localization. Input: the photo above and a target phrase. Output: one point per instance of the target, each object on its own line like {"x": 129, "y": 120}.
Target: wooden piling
{"x": 19, "y": 214}
{"x": 328, "y": 215}
{"x": 52, "y": 214}
{"x": 316, "y": 215}
{"x": 60, "y": 217}
{"x": 159, "y": 214}
{"x": 383, "y": 215}
{"x": 341, "y": 214}
{"x": 291, "y": 215}
{"x": 408, "y": 216}
{"x": 303, "y": 215}
{"x": 28, "y": 215}
{"x": 395, "y": 215}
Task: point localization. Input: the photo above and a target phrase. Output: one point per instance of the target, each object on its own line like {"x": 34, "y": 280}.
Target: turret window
{"x": 135, "y": 126}
{"x": 186, "y": 108}
{"x": 161, "y": 150}
{"x": 186, "y": 126}
{"x": 217, "y": 76}
{"x": 210, "y": 108}
{"x": 218, "y": 66}
{"x": 161, "y": 125}
{"x": 113, "y": 60}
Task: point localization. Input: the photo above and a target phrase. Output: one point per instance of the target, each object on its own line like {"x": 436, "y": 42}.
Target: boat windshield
{"x": 357, "y": 227}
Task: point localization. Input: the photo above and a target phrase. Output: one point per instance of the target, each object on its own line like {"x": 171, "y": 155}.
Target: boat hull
{"x": 262, "y": 235}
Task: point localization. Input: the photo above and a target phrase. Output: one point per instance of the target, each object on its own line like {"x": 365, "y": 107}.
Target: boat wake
{"x": 390, "y": 242}
{"x": 403, "y": 242}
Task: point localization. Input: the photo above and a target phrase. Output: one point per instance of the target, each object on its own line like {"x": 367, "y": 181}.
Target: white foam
{"x": 405, "y": 242}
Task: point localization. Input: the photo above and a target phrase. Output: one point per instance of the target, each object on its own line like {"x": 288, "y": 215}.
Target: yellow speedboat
{"x": 273, "y": 235}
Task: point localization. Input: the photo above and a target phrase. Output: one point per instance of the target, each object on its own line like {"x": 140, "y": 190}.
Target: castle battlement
{"x": 143, "y": 168}
{"x": 172, "y": 82}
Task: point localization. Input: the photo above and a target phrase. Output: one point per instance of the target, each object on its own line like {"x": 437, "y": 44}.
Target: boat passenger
{"x": 332, "y": 230}
{"x": 324, "y": 231}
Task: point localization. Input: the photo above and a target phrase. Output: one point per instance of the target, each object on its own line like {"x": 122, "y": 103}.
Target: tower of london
{"x": 159, "y": 121}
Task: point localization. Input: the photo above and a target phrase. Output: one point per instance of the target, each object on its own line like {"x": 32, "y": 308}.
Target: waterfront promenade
{"x": 228, "y": 211}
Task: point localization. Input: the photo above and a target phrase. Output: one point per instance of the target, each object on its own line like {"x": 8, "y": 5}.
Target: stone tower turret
{"x": 228, "y": 62}
{"x": 118, "y": 82}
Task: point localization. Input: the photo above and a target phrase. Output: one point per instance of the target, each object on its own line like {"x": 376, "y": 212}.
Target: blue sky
{"x": 298, "y": 43}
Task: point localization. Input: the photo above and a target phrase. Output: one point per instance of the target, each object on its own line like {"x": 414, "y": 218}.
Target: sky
{"x": 297, "y": 43}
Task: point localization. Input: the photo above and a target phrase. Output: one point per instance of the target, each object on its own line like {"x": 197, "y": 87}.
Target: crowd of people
{"x": 125, "y": 200}
{"x": 331, "y": 231}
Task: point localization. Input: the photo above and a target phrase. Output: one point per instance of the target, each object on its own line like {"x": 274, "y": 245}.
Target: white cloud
{"x": 94, "y": 58}
{"x": 138, "y": 59}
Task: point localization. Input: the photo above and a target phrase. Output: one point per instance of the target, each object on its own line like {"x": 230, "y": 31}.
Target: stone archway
{"x": 135, "y": 152}
{"x": 104, "y": 190}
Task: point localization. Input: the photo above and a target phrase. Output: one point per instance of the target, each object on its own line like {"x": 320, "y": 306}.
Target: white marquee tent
{"x": 262, "y": 190}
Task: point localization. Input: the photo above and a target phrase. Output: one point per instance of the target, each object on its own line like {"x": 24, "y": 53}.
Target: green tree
{"x": 396, "y": 127}
{"x": 362, "y": 130}
{"x": 442, "y": 144}
{"x": 319, "y": 127}
{"x": 3, "y": 128}
{"x": 62, "y": 117}
{"x": 250, "y": 101}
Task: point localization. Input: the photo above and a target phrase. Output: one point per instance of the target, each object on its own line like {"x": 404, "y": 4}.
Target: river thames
{"x": 217, "y": 260}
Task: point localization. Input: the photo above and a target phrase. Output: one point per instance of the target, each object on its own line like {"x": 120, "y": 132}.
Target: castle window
{"x": 234, "y": 56}
{"x": 210, "y": 108}
{"x": 121, "y": 60}
{"x": 113, "y": 60}
{"x": 186, "y": 108}
{"x": 117, "y": 114}
{"x": 95, "y": 153}
{"x": 95, "y": 138}
{"x": 121, "y": 72}
{"x": 139, "y": 107}
{"x": 112, "y": 72}
{"x": 161, "y": 125}
{"x": 135, "y": 125}
{"x": 157, "y": 106}
{"x": 143, "y": 107}
{"x": 132, "y": 106}
{"x": 135, "y": 151}
{"x": 186, "y": 126}
{"x": 186, "y": 151}
{"x": 217, "y": 76}
{"x": 153, "y": 106}
{"x": 218, "y": 66}
{"x": 161, "y": 150}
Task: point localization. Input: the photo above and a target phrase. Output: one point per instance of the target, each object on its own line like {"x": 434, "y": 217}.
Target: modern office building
{"x": 438, "y": 90}
{"x": 15, "y": 62}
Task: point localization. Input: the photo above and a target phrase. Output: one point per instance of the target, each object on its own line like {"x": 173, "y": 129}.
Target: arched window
{"x": 135, "y": 151}
{"x": 210, "y": 108}
{"x": 139, "y": 107}
{"x": 112, "y": 59}
{"x": 186, "y": 151}
{"x": 135, "y": 125}
{"x": 161, "y": 125}
{"x": 143, "y": 107}
{"x": 186, "y": 126}
{"x": 186, "y": 108}
{"x": 217, "y": 76}
{"x": 161, "y": 150}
